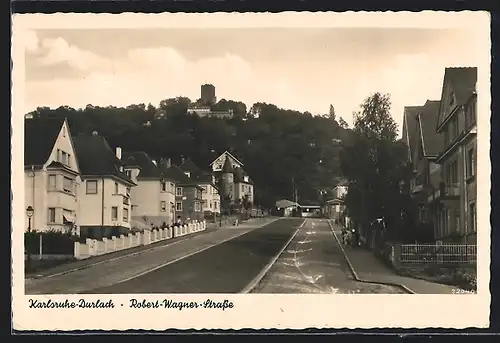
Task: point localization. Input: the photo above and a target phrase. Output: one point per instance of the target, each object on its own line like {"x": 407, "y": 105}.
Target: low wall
{"x": 93, "y": 247}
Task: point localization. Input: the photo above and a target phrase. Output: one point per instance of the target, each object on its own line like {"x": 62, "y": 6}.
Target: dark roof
{"x": 427, "y": 118}
{"x": 239, "y": 176}
{"x": 177, "y": 174}
{"x": 190, "y": 166}
{"x": 227, "y": 168}
{"x": 40, "y": 135}
{"x": 197, "y": 174}
{"x": 145, "y": 163}
{"x": 96, "y": 158}
{"x": 410, "y": 127}
{"x": 463, "y": 84}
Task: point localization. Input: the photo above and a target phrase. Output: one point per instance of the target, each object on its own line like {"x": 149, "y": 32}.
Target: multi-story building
{"x": 426, "y": 173}
{"x": 153, "y": 199}
{"x": 457, "y": 127}
{"x": 51, "y": 174}
{"x": 188, "y": 193}
{"x": 243, "y": 187}
{"x": 105, "y": 198}
{"x": 210, "y": 202}
{"x": 408, "y": 136}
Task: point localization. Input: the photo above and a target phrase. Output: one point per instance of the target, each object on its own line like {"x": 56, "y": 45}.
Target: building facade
{"x": 105, "y": 197}
{"x": 426, "y": 173}
{"x": 457, "y": 127}
{"x": 210, "y": 203}
{"x": 51, "y": 175}
{"x": 153, "y": 199}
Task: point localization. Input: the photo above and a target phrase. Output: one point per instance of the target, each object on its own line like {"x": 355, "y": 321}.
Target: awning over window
{"x": 68, "y": 218}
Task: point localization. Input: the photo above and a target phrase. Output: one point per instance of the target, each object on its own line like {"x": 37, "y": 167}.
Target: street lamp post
{"x": 29, "y": 213}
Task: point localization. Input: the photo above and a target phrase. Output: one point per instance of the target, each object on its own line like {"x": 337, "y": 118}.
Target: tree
{"x": 331, "y": 113}
{"x": 274, "y": 144}
{"x": 374, "y": 162}
{"x": 343, "y": 124}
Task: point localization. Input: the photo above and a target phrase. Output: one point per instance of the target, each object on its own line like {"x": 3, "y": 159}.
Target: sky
{"x": 304, "y": 69}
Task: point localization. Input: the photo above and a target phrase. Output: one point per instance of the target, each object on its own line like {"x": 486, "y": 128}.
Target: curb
{"x": 266, "y": 269}
{"x": 353, "y": 271}
{"x": 31, "y": 279}
{"x": 192, "y": 253}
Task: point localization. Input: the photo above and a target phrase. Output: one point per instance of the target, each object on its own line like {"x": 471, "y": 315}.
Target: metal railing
{"x": 438, "y": 254}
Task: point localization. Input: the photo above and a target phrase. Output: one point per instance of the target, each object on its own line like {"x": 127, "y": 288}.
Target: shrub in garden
{"x": 53, "y": 242}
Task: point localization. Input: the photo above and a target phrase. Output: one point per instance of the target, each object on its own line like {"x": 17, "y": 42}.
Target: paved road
{"x": 314, "y": 263}
{"x": 226, "y": 268}
{"x": 111, "y": 272}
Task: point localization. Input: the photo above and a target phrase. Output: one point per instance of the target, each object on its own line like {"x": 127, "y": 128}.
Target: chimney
{"x": 169, "y": 162}
{"x": 119, "y": 153}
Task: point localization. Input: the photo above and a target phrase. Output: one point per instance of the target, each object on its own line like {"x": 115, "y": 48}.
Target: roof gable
{"x": 96, "y": 158}
{"x": 430, "y": 139}
{"x": 226, "y": 154}
{"x": 40, "y": 136}
{"x": 459, "y": 84}
{"x": 409, "y": 128}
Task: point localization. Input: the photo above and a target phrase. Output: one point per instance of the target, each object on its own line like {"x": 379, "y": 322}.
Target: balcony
{"x": 445, "y": 192}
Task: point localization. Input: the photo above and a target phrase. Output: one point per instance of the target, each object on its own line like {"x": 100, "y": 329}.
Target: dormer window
{"x": 188, "y": 174}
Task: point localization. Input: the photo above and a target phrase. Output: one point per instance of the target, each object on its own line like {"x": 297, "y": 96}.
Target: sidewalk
{"x": 91, "y": 261}
{"x": 95, "y": 260}
{"x": 369, "y": 268}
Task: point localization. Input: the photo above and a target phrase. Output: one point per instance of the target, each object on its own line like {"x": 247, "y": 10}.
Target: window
{"x": 215, "y": 204}
{"x": 128, "y": 173}
{"x": 188, "y": 174}
{"x": 68, "y": 160}
{"x": 452, "y": 173}
{"x": 125, "y": 214}
{"x": 52, "y": 215}
{"x": 171, "y": 185}
{"x": 58, "y": 157}
{"x": 178, "y": 191}
{"x": 203, "y": 203}
{"x": 163, "y": 186}
{"x": 163, "y": 206}
{"x": 68, "y": 185}
{"x": 114, "y": 213}
{"x": 472, "y": 216}
{"x": 457, "y": 220}
{"x": 64, "y": 131}
{"x": 471, "y": 114}
{"x": 127, "y": 190}
{"x": 116, "y": 187}
{"x": 211, "y": 205}
{"x": 178, "y": 206}
{"x": 196, "y": 206}
{"x": 471, "y": 165}
{"x": 52, "y": 182}
{"x": 65, "y": 158}
{"x": 91, "y": 187}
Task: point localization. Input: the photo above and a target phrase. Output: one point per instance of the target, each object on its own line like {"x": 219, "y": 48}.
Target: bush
{"x": 53, "y": 242}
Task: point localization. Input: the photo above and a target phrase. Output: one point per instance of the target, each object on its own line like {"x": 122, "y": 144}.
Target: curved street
{"x": 225, "y": 261}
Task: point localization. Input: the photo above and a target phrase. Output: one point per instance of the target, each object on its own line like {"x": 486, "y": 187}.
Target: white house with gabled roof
{"x": 51, "y": 175}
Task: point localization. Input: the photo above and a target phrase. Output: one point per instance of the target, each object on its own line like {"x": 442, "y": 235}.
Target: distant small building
{"x": 286, "y": 208}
